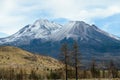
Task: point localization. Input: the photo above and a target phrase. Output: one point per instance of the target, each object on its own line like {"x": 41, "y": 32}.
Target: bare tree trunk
{"x": 64, "y": 58}
{"x": 66, "y": 69}
{"x": 76, "y": 67}
{"x": 76, "y": 56}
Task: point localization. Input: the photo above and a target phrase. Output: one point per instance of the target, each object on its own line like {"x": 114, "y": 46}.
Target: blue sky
{"x": 15, "y": 14}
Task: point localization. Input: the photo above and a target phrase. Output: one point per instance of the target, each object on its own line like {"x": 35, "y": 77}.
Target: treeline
{"x": 10, "y": 73}
{"x": 93, "y": 72}
{"x": 18, "y": 74}
{"x": 72, "y": 58}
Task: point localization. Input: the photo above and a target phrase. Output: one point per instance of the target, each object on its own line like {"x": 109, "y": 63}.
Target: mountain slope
{"x": 93, "y": 42}
{"x": 46, "y": 37}
{"x": 18, "y": 58}
{"x": 79, "y": 29}
{"x": 40, "y": 29}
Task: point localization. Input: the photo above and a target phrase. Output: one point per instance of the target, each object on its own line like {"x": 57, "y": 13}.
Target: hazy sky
{"x": 15, "y": 14}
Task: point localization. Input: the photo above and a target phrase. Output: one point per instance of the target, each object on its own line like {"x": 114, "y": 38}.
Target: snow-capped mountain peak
{"x": 46, "y": 30}
{"x": 73, "y": 29}
{"x": 45, "y": 24}
{"x": 40, "y": 29}
{"x": 80, "y": 30}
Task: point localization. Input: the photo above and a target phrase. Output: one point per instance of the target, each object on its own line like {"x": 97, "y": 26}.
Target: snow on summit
{"x": 44, "y": 29}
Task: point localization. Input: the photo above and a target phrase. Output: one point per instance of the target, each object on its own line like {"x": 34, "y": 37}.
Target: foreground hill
{"x": 18, "y": 58}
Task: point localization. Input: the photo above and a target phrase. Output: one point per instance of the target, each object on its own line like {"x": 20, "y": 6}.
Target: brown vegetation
{"x": 20, "y": 62}
{"x": 17, "y": 64}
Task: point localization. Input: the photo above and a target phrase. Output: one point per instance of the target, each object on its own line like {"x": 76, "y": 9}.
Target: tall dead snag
{"x": 113, "y": 70}
{"x": 94, "y": 70}
{"x": 65, "y": 58}
{"x": 76, "y": 58}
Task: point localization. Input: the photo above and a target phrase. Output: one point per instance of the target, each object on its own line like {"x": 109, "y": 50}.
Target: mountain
{"x": 18, "y": 58}
{"x": 41, "y": 29}
{"x": 46, "y": 37}
{"x": 79, "y": 29}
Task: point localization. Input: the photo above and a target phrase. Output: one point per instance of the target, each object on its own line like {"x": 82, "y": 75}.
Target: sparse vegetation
{"x": 17, "y": 64}
{"x": 22, "y": 65}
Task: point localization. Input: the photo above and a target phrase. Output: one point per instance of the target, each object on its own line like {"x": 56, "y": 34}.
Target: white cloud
{"x": 14, "y": 14}
{"x": 83, "y": 9}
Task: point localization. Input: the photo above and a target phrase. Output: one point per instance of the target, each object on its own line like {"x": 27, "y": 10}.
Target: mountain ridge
{"x": 93, "y": 42}
{"x": 45, "y": 29}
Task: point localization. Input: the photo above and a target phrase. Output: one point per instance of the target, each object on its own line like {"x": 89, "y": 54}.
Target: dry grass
{"x": 18, "y": 58}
